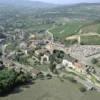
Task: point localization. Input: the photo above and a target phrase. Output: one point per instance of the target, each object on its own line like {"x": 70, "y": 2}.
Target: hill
{"x": 91, "y": 27}
{"x": 79, "y": 11}
{"x": 62, "y": 21}
{"x": 26, "y": 3}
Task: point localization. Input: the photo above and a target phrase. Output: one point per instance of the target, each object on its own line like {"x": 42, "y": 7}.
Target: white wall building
{"x": 67, "y": 63}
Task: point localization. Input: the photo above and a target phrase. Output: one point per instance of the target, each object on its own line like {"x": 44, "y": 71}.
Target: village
{"x": 55, "y": 59}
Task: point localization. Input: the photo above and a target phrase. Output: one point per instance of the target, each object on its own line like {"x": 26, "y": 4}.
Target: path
{"x": 78, "y": 37}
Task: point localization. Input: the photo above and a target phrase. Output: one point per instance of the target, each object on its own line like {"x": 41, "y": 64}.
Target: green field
{"x": 52, "y": 89}
{"x": 92, "y": 27}
{"x": 70, "y": 28}
{"x": 39, "y": 27}
{"x": 90, "y": 40}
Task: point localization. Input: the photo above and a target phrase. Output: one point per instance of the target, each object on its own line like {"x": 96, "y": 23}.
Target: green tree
{"x": 94, "y": 61}
{"x": 10, "y": 79}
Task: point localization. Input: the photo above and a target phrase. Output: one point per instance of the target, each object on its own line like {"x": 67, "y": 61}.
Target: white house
{"x": 45, "y": 58}
{"x": 67, "y": 63}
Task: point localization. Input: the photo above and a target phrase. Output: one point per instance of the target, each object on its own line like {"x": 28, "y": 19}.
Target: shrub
{"x": 83, "y": 89}
{"x": 72, "y": 79}
{"x": 94, "y": 61}
{"x": 9, "y": 79}
{"x": 49, "y": 76}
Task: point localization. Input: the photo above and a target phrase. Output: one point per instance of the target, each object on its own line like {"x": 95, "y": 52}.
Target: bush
{"x": 40, "y": 76}
{"x": 94, "y": 61}
{"x": 49, "y": 76}
{"x": 72, "y": 79}
{"x": 9, "y": 79}
{"x": 83, "y": 89}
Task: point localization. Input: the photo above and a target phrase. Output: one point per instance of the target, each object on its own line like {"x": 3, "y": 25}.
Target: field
{"x": 37, "y": 28}
{"x": 69, "y": 28}
{"x": 53, "y": 89}
{"x": 72, "y": 28}
{"x": 92, "y": 27}
{"x": 90, "y": 40}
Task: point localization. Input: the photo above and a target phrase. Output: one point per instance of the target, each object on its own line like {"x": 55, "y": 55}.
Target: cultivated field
{"x": 70, "y": 28}
{"x": 90, "y": 40}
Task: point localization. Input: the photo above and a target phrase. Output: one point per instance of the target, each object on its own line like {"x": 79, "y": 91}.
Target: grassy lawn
{"x": 48, "y": 90}
{"x": 90, "y": 40}
{"x": 52, "y": 89}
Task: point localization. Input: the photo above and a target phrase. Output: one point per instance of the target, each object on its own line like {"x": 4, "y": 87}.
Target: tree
{"x": 56, "y": 58}
{"x": 94, "y": 61}
{"x": 9, "y": 79}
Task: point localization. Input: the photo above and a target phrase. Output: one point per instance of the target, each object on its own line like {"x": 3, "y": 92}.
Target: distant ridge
{"x": 77, "y": 5}
{"x": 27, "y": 3}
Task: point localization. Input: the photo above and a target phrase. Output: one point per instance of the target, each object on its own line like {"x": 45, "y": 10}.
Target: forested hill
{"x": 26, "y": 3}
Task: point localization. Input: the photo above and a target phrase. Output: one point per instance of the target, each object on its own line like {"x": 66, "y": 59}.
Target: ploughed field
{"x": 53, "y": 89}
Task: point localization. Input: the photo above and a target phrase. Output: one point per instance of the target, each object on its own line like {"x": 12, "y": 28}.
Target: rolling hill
{"x": 79, "y": 11}
{"x": 26, "y": 3}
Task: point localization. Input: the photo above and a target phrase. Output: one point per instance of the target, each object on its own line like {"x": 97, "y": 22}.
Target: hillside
{"x": 50, "y": 50}
{"x": 91, "y": 27}
{"x": 62, "y": 21}
{"x": 26, "y": 3}
{"x": 79, "y": 11}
